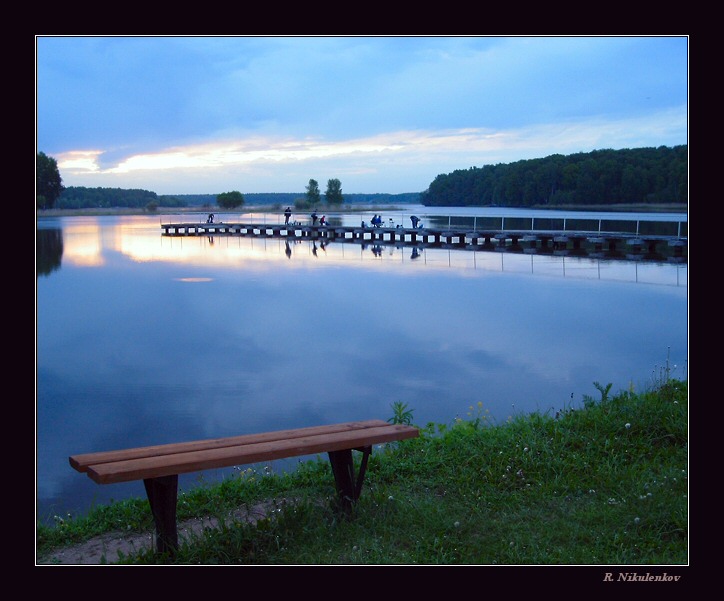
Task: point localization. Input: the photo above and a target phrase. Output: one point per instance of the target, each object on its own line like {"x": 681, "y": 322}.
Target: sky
{"x": 206, "y": 115}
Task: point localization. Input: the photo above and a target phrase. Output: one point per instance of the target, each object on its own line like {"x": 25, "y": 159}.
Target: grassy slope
{"x": 602, "y": 485}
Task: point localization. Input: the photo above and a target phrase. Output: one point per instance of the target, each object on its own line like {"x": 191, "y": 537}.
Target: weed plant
{"x": 604, "y": 484}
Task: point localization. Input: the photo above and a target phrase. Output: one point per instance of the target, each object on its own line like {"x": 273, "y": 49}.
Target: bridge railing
{"x": 652, "y": 227}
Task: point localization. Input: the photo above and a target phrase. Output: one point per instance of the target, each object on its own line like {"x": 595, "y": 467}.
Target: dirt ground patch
{"x": 109, "y": 548}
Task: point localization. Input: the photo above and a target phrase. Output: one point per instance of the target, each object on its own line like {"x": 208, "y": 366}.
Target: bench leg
{"x": 162, "y": 496}
{"x": 348, "y": 490}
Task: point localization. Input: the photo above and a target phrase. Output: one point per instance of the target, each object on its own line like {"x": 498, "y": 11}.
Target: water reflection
{"x": 48, "y": 251}
{"x": 92, "y": 240}
{"x": 143, "y": 339}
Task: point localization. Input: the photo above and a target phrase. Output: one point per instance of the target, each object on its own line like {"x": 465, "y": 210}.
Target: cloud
{"x": 420, "y": 154}
{"x": 266, "y": 114}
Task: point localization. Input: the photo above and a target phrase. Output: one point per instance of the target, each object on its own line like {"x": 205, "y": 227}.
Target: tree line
{"x": 628, "y": 176}
{"x": 78, "y": 197}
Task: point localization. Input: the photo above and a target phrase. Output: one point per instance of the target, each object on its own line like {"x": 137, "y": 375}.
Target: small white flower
{"x": 457, "y": 524}
{"x": 390, "y": 498}
{"x": 637, "y": 520}
{"x": 628, "y": 426}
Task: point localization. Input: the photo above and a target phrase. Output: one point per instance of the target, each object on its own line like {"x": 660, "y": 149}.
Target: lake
{"x": 143, "y": 339}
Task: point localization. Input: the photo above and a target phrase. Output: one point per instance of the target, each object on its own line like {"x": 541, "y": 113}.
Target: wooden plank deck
{"x": 596, "y": 244}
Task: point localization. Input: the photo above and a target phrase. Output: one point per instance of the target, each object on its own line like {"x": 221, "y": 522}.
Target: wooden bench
{"x": 159, "y": 466}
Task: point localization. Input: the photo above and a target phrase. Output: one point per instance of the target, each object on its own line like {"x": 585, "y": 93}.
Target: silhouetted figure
{"x": 314, "y": 218}
{"x": 314, "y": 248}
{"x": 287, "y": 215}
{"x": 210, "y": 218}
{"x": 415, "y": 220}
{"x": 287, "y": 250}
{"x": 323, "y": 220}
{"x": 415, "y": 253}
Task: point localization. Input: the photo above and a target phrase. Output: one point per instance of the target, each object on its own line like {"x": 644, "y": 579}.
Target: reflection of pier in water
{"x": 597, "y": 245}
{"x": 390, "y": 255}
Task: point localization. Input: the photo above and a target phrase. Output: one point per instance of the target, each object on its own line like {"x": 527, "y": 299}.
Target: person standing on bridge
{"x": 415, "y": 220}
{"x": 210, "y": 218}
{"x": 314, "y": 218}
{"x": 287, "y": 215}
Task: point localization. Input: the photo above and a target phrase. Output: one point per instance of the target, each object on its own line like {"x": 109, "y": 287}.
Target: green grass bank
{"x": 604, "y": 484}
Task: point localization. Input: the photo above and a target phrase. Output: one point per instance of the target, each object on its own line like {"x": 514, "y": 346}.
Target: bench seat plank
{"x": 165, "y": 460}
{"x": 83, "y": 461}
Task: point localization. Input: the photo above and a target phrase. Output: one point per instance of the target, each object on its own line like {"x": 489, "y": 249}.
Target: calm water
{"x": 143, "y": 339}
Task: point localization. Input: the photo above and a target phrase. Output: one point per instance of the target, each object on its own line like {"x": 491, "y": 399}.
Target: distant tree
{"x": 230, "y": 200}
{"x": 152, "y": 206}
{"x": 313, "y": 194}
{"x": 82, "y": 198}
{"x": 48, "y": 183}
{"x": 334, "y": 192}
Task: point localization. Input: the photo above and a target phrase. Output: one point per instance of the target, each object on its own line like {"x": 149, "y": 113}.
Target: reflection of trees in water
{"x": 48, "y": 250}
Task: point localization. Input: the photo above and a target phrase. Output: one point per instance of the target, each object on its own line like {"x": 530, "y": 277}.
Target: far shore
{"x": 641, "y": 208}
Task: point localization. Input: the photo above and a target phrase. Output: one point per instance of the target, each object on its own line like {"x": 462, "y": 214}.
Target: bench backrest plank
{"x": 164, "y": 460}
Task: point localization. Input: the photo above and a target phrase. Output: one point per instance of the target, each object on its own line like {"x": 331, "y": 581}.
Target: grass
{"x": 603, "y": 484}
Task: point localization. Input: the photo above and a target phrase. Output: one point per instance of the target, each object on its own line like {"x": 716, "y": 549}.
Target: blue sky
{"x": 205, "y": 115}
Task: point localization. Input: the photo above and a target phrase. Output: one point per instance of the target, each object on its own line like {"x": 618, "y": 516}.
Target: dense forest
{"x": 602, "y": 177}
{"x": 76, "y": 197}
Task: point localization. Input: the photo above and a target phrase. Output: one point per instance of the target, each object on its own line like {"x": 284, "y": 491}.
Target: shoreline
{"x": 94, "y": 212}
